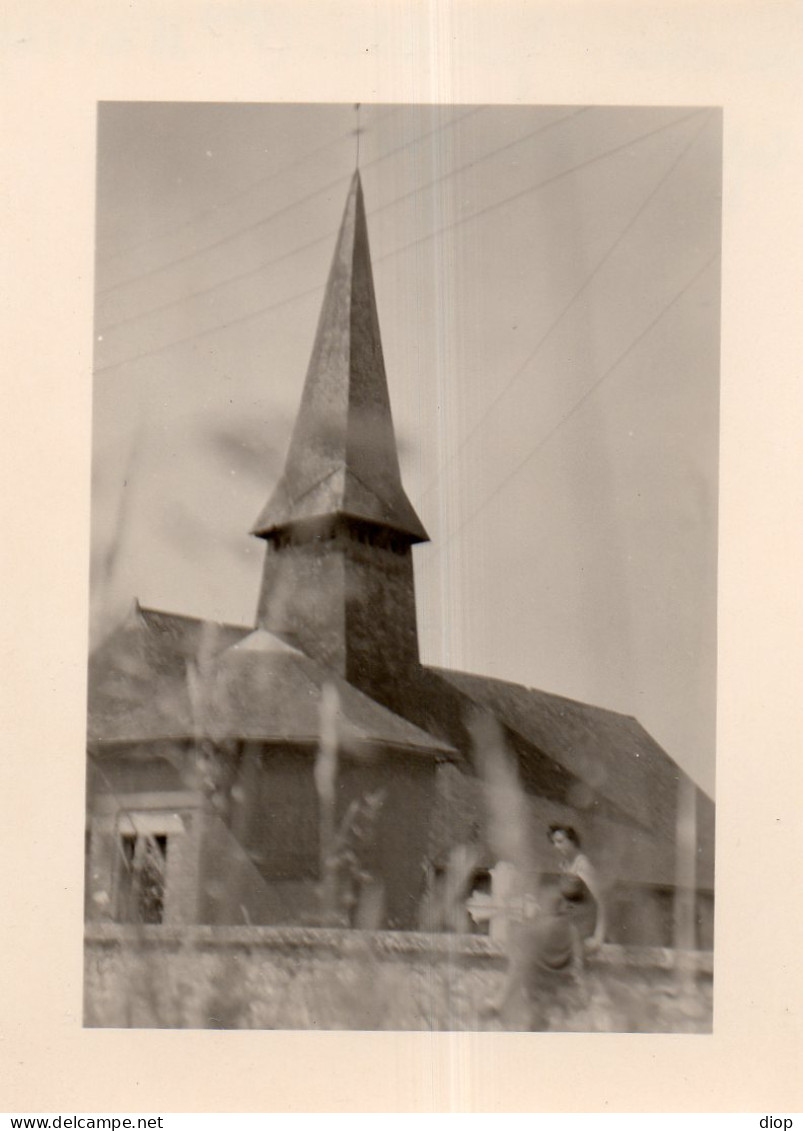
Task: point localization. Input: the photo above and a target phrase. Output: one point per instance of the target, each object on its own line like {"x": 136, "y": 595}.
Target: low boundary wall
{"x": 320, "y": 978}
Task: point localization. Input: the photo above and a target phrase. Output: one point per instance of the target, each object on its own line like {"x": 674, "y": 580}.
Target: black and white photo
{"x": 402, "y": 669}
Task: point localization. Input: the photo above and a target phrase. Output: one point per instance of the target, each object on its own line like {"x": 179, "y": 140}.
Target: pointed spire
{"x": 343, "y": 458}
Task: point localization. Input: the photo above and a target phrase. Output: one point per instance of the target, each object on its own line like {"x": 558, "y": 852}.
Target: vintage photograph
{"x": 402, "y": 657}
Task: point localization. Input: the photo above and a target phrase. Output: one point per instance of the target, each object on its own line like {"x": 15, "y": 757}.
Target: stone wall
{"x": 300, "y": 978}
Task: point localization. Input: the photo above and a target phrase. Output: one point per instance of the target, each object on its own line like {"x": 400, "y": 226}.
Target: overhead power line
{"x": 244, "y": 191}
{"x": 586, "y": 395}
{"x": 252, "y": 272}
{"x": 436, "y": 481}
{"x": 548, "y": 181}
{"x": 264, "y": 221}
{"x": 250, "y": 315}
{"x": 197, "y": 335}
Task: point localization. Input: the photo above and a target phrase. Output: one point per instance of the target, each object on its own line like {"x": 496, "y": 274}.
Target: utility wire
{"x": 328, "y": 235}
{"x": 586, "y": 395}
{"x": 111, "y": 555}
{"x": 543, "y": 184}
{"x": 211, "y": 211}
{"x": 565, "y": 310}
{"x": 391, "y": 254}
{"x": 197, "y": 335}
{"x": 261, "y": 223}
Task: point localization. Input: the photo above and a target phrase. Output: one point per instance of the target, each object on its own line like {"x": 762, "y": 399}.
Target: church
{"x": 309, "y": 768}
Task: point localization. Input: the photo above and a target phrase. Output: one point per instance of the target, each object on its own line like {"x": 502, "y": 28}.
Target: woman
{"x": 590, "y": 909}
{"x": 545, "y": 970}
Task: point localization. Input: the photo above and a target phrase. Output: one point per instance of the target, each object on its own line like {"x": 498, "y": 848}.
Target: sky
{"x": 548, "y": 289}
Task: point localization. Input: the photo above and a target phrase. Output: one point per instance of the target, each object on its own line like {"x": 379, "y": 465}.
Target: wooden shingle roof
{"x": 611, "y": 754}
{"x": 343, "y": 458}
{"x": 162, "y": 676}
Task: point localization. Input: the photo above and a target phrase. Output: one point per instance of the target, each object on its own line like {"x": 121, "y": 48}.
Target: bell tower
{"x": 339, "y": 528}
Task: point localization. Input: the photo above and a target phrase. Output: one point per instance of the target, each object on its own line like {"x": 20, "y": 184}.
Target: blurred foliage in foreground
{"x": 135, "y": 980}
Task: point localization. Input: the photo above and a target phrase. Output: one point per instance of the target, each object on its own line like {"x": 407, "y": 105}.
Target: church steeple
{"x": 339, "y": 527}
{"x": 343, "y": 458}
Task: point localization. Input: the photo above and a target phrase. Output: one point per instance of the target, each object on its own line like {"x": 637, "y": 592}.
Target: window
{"x": 481, "y": 885}
{"x": 141, "y": 878}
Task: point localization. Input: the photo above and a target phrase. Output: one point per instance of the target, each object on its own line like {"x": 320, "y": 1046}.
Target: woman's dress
{"x": 584, "y": 911}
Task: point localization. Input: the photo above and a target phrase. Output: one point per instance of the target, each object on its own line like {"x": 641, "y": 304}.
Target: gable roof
{"x": 611, "y": 754}
{"x": 161, "y": 676}
{"x": 444, "y": 705}
{"x": 138, "y": 676}
{"x": 165, "y": 677}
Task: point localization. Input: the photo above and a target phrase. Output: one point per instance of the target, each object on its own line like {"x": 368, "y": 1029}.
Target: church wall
{"x": 233, "y": 890}
{"x": 706, "y": 839}
{"x": 639, "y": 912}
{"x": 303, "y": 595}
{"x": 115, "y": 822}
{"x": 277, "y": 824}
{"x": 139, "y": 769}
{"x": 643, "y": 915}
{"x": 255, "y": 858}
{"x": 348, "y": 597}
{"x": 264, "y": 869}
{"x": 276, "y": 814}
{"x": 463, "y": 815}
{"x": 400, "y": 850}
{"x": 380, "y": 617}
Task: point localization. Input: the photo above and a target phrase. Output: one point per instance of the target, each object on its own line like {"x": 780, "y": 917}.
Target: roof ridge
{"x": 339, "y": 680}
{"x": 373, "y": 491}
{"x": 541, "y": 691}
{"x": 190, "y": 619}
{"x": 307, "y": 490}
